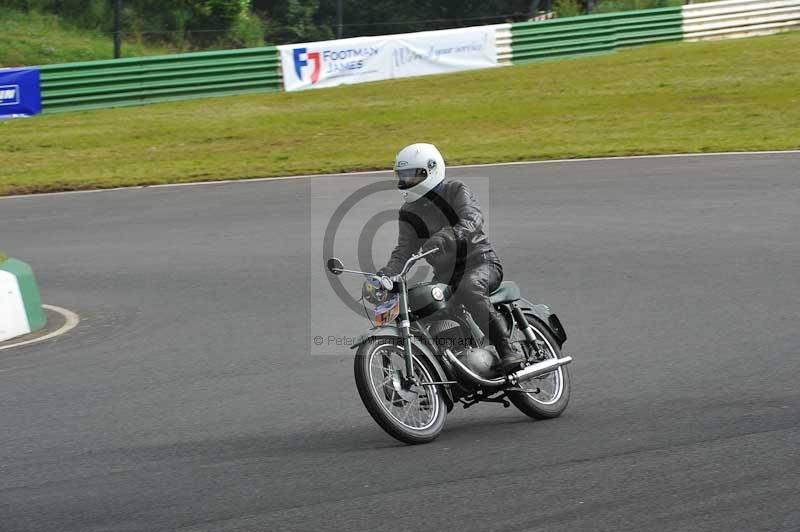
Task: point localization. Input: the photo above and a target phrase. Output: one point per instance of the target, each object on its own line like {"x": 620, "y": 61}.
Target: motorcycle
{"x": 424, "y": 354}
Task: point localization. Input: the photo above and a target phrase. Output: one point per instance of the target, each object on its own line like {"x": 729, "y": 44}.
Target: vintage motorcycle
{"x": 425, "y": 354}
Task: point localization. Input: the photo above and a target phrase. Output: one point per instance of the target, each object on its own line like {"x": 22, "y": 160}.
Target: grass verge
{"x": 681, "y": 97}
{"x": 3, "y": 257}
{"x": 37, "y": 39}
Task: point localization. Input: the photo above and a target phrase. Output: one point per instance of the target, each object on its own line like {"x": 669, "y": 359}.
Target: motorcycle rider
{"x": 446, "y": 215}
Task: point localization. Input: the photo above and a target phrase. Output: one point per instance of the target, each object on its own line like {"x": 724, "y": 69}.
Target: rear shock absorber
{"x": 523, "y": 324}
{"x": 527, "y": 330}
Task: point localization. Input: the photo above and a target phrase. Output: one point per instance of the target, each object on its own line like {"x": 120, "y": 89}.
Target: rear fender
{"x": 547, "y": 317}
{"x": 421, "y": 347}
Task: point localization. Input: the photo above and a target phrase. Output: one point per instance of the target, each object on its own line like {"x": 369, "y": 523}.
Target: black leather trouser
{"x": 472, "y": 290}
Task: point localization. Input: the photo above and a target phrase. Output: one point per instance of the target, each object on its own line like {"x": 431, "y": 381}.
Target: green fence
{"x": 588, "y": 34}
{"x": 138, "y": 80}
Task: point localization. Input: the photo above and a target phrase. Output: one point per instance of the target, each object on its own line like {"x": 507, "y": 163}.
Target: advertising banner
{"x": 362, "y": 59}
{"x": 20, "y": 93}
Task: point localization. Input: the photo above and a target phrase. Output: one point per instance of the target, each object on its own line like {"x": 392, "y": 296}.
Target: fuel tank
{"x": 426, "y": 299}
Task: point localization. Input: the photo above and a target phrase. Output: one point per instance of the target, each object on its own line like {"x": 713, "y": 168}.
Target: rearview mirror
{"x": 335, "y": 266}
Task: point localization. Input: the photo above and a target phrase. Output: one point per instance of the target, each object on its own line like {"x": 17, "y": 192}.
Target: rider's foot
{"x": 511, "y": 358}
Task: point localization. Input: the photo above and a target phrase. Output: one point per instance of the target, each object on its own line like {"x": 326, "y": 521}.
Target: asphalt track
{"x": 186, "y": 398}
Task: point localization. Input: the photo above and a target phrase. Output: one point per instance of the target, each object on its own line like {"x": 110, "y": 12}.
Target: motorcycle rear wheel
{"x": 554, "y": 388}
{"x": 412, "y": 416}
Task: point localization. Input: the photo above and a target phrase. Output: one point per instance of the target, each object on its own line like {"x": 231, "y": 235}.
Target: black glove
{"x": 441, "y": 240}
{"x": 435, "y": 242}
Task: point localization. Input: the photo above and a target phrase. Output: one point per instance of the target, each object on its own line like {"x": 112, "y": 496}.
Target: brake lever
{"x": 429, "y": 252}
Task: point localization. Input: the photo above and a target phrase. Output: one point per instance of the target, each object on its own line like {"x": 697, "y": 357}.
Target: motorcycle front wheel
{"x": 415, "y": 415}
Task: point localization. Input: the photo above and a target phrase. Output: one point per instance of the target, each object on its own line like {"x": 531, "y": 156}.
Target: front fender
{"x": 546, "y": 316}
{"x": 394, "y": 332}
{"x": 383, "y": 330}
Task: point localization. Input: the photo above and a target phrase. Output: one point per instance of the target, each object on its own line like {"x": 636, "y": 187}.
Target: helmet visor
{"x": 409, "y": 177}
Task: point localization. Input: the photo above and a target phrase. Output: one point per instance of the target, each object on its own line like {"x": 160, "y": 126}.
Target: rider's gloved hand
{"x": 432, "y": 243}
{"x": 442, "y": 241}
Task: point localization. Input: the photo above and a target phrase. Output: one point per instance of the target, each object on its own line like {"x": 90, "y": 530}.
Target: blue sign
{"x": 20, "y": 92}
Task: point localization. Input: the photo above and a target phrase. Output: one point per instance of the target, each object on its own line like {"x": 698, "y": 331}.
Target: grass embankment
{"x": 682, "y": 97}
{"x": 3, "y": 257}
{"x": 38, "y": 39}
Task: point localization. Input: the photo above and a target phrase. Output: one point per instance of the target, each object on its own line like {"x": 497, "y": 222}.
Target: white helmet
{"x": 418, "y": 168}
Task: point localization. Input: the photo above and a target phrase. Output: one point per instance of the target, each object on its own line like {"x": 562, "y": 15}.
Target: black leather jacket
{"x": 450, "y": 211}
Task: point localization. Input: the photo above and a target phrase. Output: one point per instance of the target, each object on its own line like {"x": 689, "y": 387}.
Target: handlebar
{"x": 414, "y": 258}
{"x": 336, "y": 267}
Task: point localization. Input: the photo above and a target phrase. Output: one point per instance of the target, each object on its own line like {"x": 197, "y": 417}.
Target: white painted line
{"x": 624, "y": 157}
{"x": 369, "y": 172}
{"x": 71, "y": 321}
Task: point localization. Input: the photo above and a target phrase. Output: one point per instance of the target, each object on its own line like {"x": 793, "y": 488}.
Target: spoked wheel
{"x": 414, "y": 414}
{"x": 551, "y": 390}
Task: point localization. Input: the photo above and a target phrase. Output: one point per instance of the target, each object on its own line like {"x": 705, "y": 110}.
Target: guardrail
{"x": 101, "y": 84}
{"x": 138, "y": 80}
{"x": 591, "y": 34}
{"x": 502, "y": 42}
{"x": 739, "y": 18}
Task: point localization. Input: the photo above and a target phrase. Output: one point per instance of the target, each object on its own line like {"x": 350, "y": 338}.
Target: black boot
{"x": 511, "y": 357}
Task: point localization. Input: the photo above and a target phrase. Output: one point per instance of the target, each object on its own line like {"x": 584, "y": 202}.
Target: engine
{"x": 480, "y": 361}
{"x": 449, "y": 334}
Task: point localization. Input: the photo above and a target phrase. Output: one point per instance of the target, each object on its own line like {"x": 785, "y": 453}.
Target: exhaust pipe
{"x": 540, "y": 368}
{"x": 529, "y": 372}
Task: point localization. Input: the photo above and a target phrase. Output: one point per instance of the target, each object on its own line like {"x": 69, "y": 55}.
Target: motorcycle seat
{"x": 507, "y": 292}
